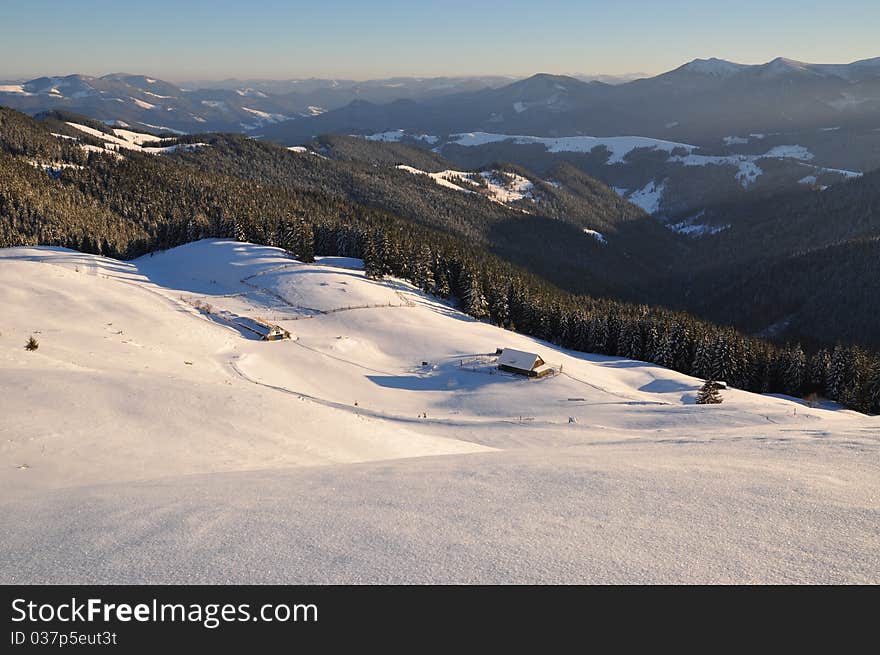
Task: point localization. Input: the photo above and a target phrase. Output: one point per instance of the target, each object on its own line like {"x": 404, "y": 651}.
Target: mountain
{"x": 230, "y": 105}
{"x": 146, "y": 103}
{"x": 702, "y": 102}
{"x": 742, "y": 131}
{"x": 336, "y": 93}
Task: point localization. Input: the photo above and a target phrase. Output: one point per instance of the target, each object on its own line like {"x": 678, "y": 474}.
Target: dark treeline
{"x": 126, "y": 208}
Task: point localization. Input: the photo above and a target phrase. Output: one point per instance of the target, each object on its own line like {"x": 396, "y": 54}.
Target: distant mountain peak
{"x": 785, "y": 64}
{"x": 713, "y": 66}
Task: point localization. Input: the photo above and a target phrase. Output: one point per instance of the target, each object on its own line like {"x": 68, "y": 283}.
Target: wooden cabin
{"x": 276, "y": 333}
{"x": 267, "y": 331}
{"x": 523, "y": 363}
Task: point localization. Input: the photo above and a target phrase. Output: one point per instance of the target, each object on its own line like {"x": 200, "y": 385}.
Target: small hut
{"x": 523, "y": 363}
{"x": 276, "y": 333}
{"x": 267, "y": 331}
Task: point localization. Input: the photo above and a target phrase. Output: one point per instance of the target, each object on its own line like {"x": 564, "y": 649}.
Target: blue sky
{"x": 361, "y": 39}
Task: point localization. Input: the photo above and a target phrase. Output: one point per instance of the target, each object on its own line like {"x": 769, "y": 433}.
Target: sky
{"x": 360, "y": 39}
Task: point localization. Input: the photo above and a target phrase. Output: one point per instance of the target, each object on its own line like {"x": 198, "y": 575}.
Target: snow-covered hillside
{"x": 152, "y": 438}
{"x": 122, "y": 139}
{"x": 498, "y": 186}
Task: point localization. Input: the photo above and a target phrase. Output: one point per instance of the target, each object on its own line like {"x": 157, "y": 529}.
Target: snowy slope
{"x": 498, "y": 186}
{"x": 197, "y": 451}
{"x": 618, "y": 146}
{"x": 127, "y": 140}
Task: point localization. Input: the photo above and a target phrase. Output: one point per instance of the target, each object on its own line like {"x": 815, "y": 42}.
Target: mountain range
{"x": 701, "y": 102}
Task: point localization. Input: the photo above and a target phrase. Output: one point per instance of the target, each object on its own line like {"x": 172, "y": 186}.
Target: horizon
{"x": 624, "y": 77}
{"x": 225, "y": 40}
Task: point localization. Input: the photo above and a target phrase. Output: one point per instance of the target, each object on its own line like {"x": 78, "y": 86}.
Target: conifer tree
{"x": 499, "y": 311}
{"x": 473, "y": 300}
{"x": 836, "y": 379}
{"x": 422, "y": 274}
{"x": 874, "y": 387}
{"x": 709, "y": 394}
{"x": 793, "y": 369}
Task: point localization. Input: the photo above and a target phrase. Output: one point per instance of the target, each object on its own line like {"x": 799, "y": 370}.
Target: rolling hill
{"x": 174, "y": 440}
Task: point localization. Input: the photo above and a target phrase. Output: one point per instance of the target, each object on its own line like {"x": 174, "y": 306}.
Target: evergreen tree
{"x": 709, "y": 394}
{"x": 874, "y": 387}
{"x": 422, "y": 273}
{"x": 473, "y": 300}
{"x": 836, "y": 381}
{"x": 818, "y": 372}
{"x": 793, "y": 366}
{"x": 304, "y": 242}
{"x": 499, "y": 311}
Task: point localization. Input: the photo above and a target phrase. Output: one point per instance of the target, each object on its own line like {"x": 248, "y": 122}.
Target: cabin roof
{"x": 518, "y": 359}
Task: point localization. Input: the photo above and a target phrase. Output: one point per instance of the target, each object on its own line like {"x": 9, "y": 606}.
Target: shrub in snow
{"x": 32, "y": 344}
{"x": 709, "y": 394}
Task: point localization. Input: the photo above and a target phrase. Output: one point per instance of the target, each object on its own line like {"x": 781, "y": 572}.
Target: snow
{"x": 690, "y": 226}
{"x": 393, "y": 135}
{"x": 216, "y": 104}
{"x": 747, "y": 170}
{"x": 840, "y": 171}
{"x": 142, "y": 104}
{"x": 502, "y": 187}
{"x": 789, "y": 152}
{"x": 734, "y": 140}
{"x": 618, "y": 146}
{"x": 129, "y": 140}
{"x": 137, "y": 138}
{"x": 150, "y": 441}
{"x": 265, "y": 117}
{"x": 809, "y": 179}
{"x": 14, "y": 88}
{"x": 519, "y": 107}
{"x": 598, "y": 236}
{"x": 649, "y": 196}
{"x": 518, "y": 359}
{"x": 162, "y": 128}
{"x": 506, "y": 187}
{"x": 120, "y": 138}
{"x": 104, "y": 151}
{"x": 445, "y": 178}
{"x": 398, "y": 135}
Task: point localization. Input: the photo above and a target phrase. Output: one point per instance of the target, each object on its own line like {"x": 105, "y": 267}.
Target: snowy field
{"x": 151, "y": 439}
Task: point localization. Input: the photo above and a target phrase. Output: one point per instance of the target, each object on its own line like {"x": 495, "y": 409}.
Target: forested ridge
{"x": 800, "y": 265}
{"x": 51, "y": 194}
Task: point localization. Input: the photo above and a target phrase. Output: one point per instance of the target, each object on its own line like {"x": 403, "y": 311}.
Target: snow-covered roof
{"x": 518, "y": 359}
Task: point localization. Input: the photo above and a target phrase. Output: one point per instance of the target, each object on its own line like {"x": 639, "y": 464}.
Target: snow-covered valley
{"x": 150, "y": 438}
